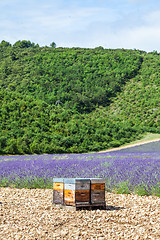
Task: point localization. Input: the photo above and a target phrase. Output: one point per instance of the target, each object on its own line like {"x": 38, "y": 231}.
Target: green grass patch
{"x": 29, "y": 183}
{"x": 119, "y": 188}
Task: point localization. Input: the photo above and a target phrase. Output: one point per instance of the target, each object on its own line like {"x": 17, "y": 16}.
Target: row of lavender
{"x": 125, "y": 172}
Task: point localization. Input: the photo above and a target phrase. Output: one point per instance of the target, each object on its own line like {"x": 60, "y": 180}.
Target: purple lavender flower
{"x": 130, "y": 169}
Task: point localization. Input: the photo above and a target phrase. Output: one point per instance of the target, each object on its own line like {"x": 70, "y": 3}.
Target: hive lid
{"x": 98, "y": 180}
{"x": 76, "y": 180}
{"x": 58, "y": 180}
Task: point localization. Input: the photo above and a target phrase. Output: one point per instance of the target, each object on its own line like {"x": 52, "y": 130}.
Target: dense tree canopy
{"x": 56, "y": 100}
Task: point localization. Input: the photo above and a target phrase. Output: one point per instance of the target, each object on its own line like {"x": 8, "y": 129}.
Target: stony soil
{"x": 29, "y": 214}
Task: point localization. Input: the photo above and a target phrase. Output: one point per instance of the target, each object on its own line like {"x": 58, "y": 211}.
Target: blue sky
{"x": 130, "y": 24}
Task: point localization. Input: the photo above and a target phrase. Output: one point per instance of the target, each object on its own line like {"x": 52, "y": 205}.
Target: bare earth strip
{"x": 29, "y": 214}
{"x": 131, "y": 145}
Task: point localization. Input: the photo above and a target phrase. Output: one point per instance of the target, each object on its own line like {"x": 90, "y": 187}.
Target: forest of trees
{"x": 71, "y": 100}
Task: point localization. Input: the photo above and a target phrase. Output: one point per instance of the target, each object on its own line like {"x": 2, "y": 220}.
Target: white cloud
{"x": 152, "y": 18}
{"x": 71, "y": 18}
{"x": 56, "y": 24}
{"x": 111, "y": 24}
{"x": 144, "y": 36}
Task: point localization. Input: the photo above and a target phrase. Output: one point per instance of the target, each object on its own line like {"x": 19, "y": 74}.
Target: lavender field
{"x": 126, "y": 171}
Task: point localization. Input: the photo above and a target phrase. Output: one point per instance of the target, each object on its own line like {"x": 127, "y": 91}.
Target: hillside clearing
{"x": 148, "y": 138}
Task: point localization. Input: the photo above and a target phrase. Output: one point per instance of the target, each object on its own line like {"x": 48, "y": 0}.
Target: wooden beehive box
{"x": 77, "y": 192}
{"x": 58, "y": 190}
{"x": 97, "y": 191}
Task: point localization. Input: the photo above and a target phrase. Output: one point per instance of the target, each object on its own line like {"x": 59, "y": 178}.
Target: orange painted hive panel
{"x": 76, "y": 191}
{"x": 58, "y": 191}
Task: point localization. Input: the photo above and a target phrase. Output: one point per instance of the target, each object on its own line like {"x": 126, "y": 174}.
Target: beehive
{"x": 58, "y": 190}
{"x": 77, "y": 192}
{"x": 97, "y": 191}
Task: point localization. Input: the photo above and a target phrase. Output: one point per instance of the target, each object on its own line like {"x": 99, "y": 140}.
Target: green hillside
{"x": 70, "y": 100}
{"x": 139, "y": 102}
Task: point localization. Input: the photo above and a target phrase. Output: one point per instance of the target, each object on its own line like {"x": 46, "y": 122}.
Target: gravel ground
{"x": 29, "y": 214}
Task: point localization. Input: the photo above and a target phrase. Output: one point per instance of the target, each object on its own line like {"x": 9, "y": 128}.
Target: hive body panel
{"x": 79, "y": 192}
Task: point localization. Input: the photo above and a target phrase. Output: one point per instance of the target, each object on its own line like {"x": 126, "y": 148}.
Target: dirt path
{"x": 131, "y": 145}
{"x": 29, "y": 214}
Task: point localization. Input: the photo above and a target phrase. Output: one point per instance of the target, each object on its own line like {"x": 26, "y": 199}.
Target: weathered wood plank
{"x": 82, "y": 196}
{"x": 58, "y": 189}
{"x": 97, "y": 186}
{"x": 97, "y": 197}
{"x": 82, "y": 185}
{"x": 57, "y": 197}
{"x": 97, "y": 191}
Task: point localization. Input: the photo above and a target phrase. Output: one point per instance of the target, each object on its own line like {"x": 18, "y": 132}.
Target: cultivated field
{"x": 125, "y": 172}
{"x": 29, "y": 213}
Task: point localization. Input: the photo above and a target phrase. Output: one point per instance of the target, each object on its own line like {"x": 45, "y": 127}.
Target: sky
{"x": 129, "y": 24}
